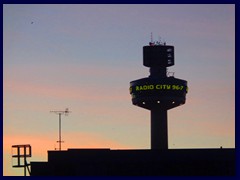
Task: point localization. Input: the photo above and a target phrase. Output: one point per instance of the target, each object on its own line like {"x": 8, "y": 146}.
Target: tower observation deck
{"x": 158, "y": 92}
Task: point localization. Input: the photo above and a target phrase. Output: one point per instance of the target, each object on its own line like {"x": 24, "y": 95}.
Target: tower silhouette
{"x": 158, "y": 92}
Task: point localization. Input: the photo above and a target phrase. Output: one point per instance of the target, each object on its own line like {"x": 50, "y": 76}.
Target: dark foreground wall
{"x": 106, "y": 162}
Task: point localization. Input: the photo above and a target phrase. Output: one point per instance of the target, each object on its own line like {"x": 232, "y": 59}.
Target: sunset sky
{"x": 82, "y": 57}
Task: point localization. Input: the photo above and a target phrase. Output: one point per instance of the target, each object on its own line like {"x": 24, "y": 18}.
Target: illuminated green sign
{"x": 174, "y": 87}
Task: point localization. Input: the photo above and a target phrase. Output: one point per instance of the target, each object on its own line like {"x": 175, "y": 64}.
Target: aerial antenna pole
{"x": 151, "y": 38}
{"x": 66, "y": 112}
{"x": 159, "y": 40}
{"x": 151, "y": 43}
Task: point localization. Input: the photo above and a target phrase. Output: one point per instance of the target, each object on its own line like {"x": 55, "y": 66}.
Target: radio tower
{"x": 66, "y": 112}
{"x": 158, "y": 92}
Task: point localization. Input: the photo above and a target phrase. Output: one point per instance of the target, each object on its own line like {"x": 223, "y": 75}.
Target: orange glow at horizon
{"x": 41, "y": 144}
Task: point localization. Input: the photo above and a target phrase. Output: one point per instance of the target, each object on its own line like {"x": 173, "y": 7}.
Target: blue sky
{"x": 84, "y": 56}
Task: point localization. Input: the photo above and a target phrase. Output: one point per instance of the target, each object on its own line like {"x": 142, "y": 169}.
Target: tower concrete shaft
{"x": 159, "y": 129}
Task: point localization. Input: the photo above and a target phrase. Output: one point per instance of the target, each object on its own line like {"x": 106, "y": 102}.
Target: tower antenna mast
{"x": 151, "y": 38}
{"x": 66, "y": 112}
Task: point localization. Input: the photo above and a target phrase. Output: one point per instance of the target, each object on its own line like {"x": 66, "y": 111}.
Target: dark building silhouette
{"x": 106, "y": 162}
{"x": 157, "y": 93}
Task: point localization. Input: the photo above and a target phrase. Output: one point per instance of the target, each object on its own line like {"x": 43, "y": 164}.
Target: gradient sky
{"x": 84, "y": 56}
